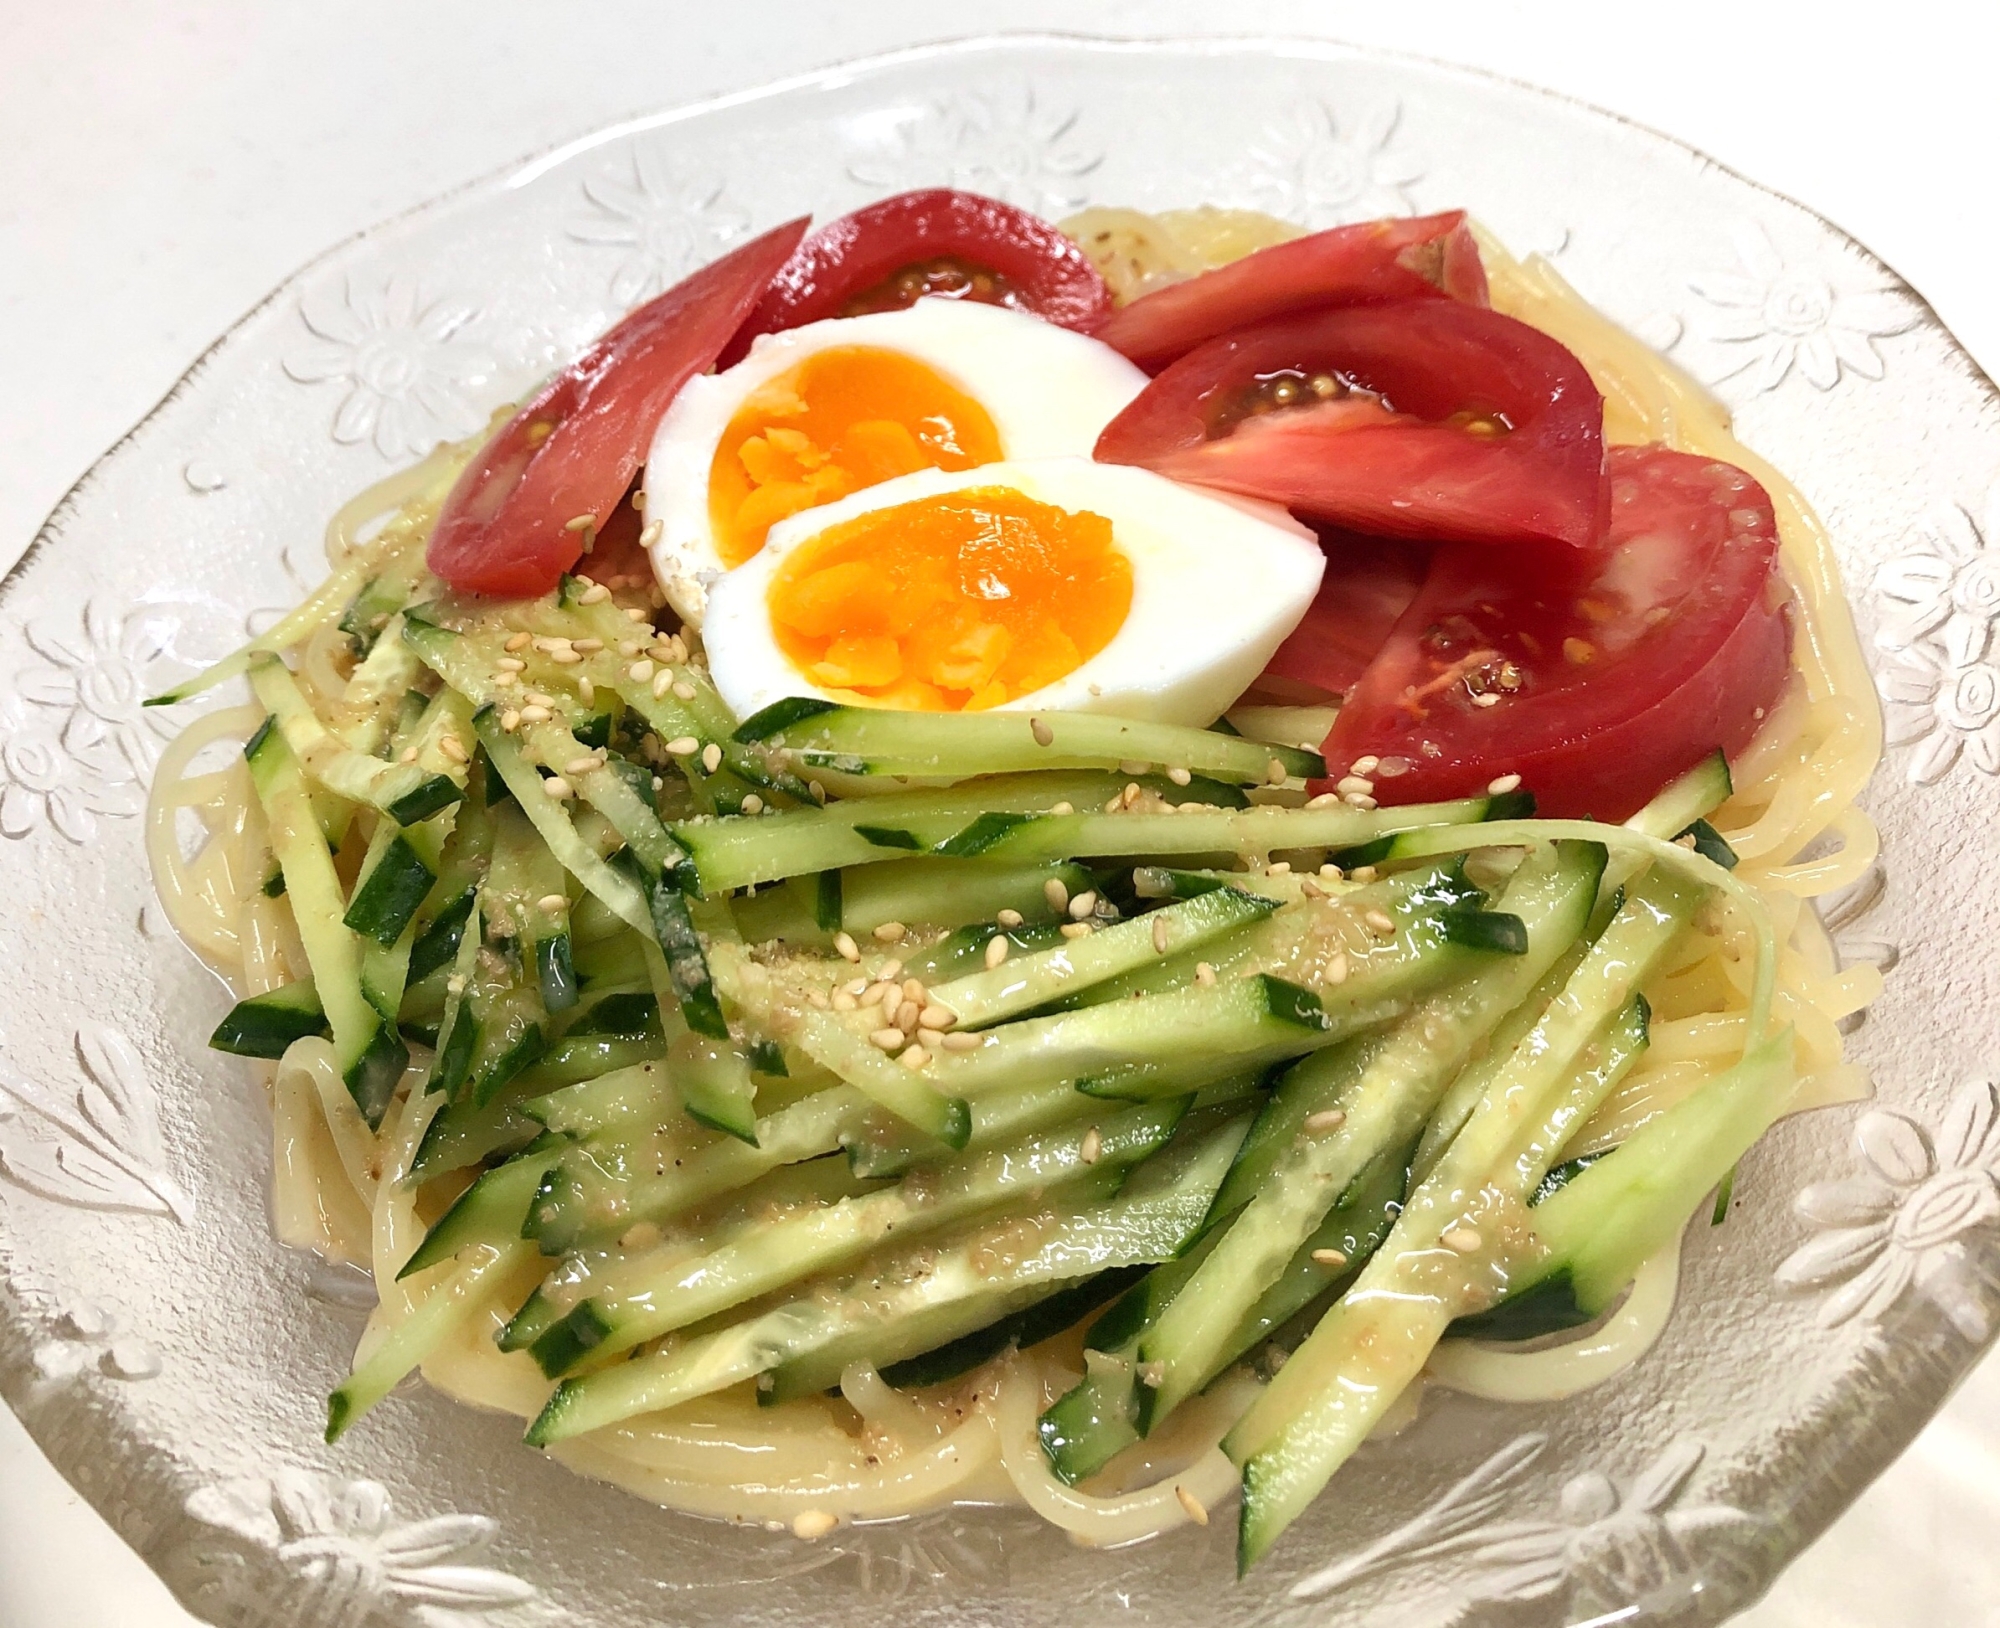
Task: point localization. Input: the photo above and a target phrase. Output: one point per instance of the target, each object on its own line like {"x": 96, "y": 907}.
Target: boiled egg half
{"x": 1060, "y": 584}
{"x": 821, "y": 412}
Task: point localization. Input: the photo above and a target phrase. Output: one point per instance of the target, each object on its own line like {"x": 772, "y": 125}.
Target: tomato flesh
{"x": 1369, "y": 583}
{"x": 1434, "y": 256}
{"x": 507, "y": 527}
{"x": 1595, "y": 677}
{"x": 1425, "y": 419}
{"x": 890, "y": 254}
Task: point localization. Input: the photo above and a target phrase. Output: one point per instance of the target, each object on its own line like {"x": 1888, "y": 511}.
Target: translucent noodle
{"x": 875, "y": 1452}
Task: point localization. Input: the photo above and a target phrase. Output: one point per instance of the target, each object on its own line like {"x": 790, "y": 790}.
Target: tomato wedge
{"x": 506, "y": 528}
{"x": 1369, "y": 583}
{"x": 890, "y": 254}
{"x": 1595, "y": 677}
{"x": 1351, "y": 265}
{"x": 1426, "y": 419}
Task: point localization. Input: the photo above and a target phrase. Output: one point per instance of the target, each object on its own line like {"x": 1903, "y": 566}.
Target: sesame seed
{"x": 1083, "y": 904}
{"x": 535, "y": 713}
{"x": 996, "y": 950}
{"x": 1355, "y": 783}
{"x": 1044, "y": 736}
{"x": 1279, "y": 867}
{"x": 752, "y": 803}
{"x": 961, "y": 1042}
{"x": 1379, "y": 921}
{"x": 661, "y": 680}
{"x": 1062, "y": 808}
{"x": 453, "y": 748}
{"x": 1327, "y": 1119}
{"x": 1131, "y": 794}
{"x": 634, "y": 614}
{"x": 503, "y": 681}
{"x": 1193, "y": 1505}
{"x": 684, "y": 690}
{"x": 1359, "y": 800}
{"x": 820, "y": 998}
{"x": 844, "y": 1002}
{"x": 907, "y": 1015}
{"x": 595, "y": 594}
{"x": 1076, "y": 929}
{"x": 1503, "y": 785}
{"x": 683, "y": 746}
{"x": 586, "y": 691}
{"x": 408, "y": 755}
{"x": 1362, "y": 873}
{"x": 711, "y": 757}
{"x": 1329, "y": 1257}
{"x": 510, "y": 720}
{"x": 558, "y": 788}
{"x": 580, "y": 522}
{"x": 565, "y": 658}
{"x": 552, "y": 902}
{"x": 1115, "y": 805}
{"x": 650, "y": 534}
{"x": 890, "y": 932}
{"x": 1180, "y": 777}
{"x": 848, "y": 949}
{"x": 640, "y": 1235}
{"x": 1325, "y": 799}
{"x": 1461, "y": 1240}
{"x": 1274, "y": 771}
{"x": 936, "y": 1017}
{"x": 1009, "y": 918}
{"x": 813, "y": 1524}
{"x": 1160, "y": 935}
{"x": 913, "y": 988}
{"x": 1486, "y": 698}
{"x": 1133, "y": 765}
{"x": 582, "y": 765}
{"x": 535, "y": 698}
{"x": 518, "y": 641}
{"x": 1312, "y": 889}
{"x": 916, "y": 1057}
{"x": 1329, "y": 872}
{"x": 588, "y": 647}
{"x": 1057, "y": 895}
{"x": 1092, "y": 1148}
{"x": 888, "y": 1038}
{"x": 640, "y": 672}
{"x": 1204, "y": 974}
{"x": 510, "y": 664}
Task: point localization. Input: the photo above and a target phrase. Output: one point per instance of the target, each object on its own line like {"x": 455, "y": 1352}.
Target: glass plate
{"x": 173, "y": 1360}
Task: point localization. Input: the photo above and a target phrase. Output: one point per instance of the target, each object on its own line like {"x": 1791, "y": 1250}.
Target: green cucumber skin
{"x": 437, "y": 944}
{"x": 388, "y": 897}
{"x": 1063, "y": 1309}
{"x": 265, "y": 1025}
{"x": 492, "y": 1210}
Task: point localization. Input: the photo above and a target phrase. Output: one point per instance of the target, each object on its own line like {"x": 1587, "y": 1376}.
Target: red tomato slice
{"x": 571, "y": 451}
{"x": 1426, "y": 419}
{"x": 890, "y": 254}
{"x": 1595, "y": 677}
{"x": 1351, "y": 265}
{"x": 1369, "y": 583}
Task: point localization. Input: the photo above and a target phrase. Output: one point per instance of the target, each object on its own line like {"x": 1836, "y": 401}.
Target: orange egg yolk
{"x": 951, "y": 603}
{"x": 841, "y": 420}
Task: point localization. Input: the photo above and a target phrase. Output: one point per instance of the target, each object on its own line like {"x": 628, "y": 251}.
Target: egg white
{"x": 1048, "y": 391}
{"x": 1217, "y": 584}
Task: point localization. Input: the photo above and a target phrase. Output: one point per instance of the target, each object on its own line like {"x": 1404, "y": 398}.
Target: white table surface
{"x": 162, "y": 166}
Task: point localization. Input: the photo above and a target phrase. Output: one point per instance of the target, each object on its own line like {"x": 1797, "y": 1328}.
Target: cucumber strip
{"x": 340, "y": 586}
{"x": 465, "y": 1133}
{"x": 639, "y": 1299}
{"x": 1610, "y": 1218}
{"x": 444, "y": 1310}
{"x": 746, "y": 851}
{"x": 642, "y": 1094}
{"x": 1385, "y": 1088}
{"x": 627, "y": 1013}
{"x": 1374, "y": 1341}
{"x": 716, "y": 1090}
{"x": 1041, "y": 1319}
{"x": 916, "y": 892}
{"x": 404, "y": 792}
{"x": 370, "y": 1053}
{"x": 458, "y": 1027}
{"x": 872, "y": 740}
{"x": 960, "y": 952}
{"x": 1695, "y": 795}
{"x": 618, "y": 891}
{"x": 490, "y": 1211}
{"x": 902, "y": 1307}
{"x": 1607, "y": 1059}
{"x": 394, "y": 881}
{"x": 903, "y": 1091}
{"x": 1014, "y": 987}
{"x": 264, "y": 1025}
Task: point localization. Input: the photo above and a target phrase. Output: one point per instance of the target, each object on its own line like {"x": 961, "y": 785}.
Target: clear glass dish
{"x": 173, "y": 1360}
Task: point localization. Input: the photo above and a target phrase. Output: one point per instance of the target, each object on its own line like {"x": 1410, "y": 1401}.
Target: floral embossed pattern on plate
{"x": 173, "y": 1359}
